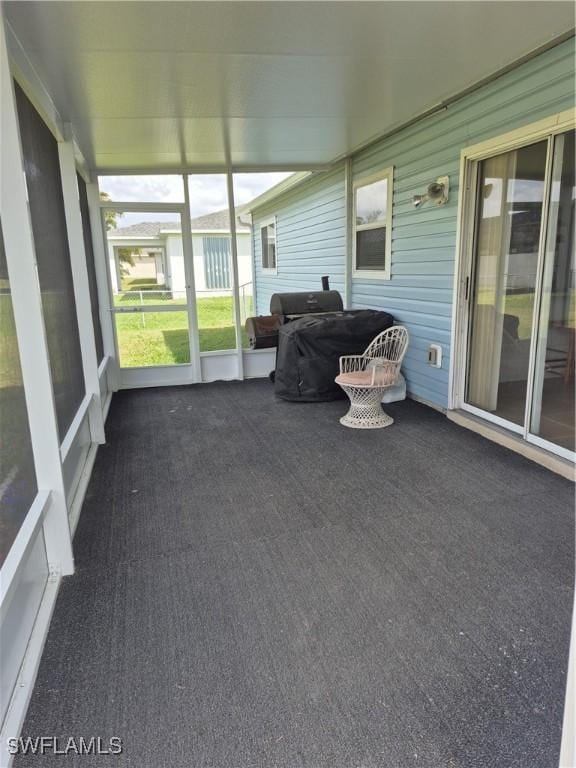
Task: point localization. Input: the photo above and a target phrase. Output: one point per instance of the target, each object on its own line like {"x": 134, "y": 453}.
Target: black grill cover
{"x": 309, "y": 349}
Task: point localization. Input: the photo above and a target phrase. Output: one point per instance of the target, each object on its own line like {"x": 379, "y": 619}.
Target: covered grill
{"x": 309, "y": 349}
{"x": 311, "y": 330}
{"x": 263, "y": 330}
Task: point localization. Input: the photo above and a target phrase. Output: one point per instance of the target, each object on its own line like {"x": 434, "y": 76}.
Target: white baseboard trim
{"x": 18, "y": 706}
{"x": 514, "y": 443}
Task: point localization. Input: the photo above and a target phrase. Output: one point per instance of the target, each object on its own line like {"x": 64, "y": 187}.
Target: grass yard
{"x": 522, "y": 306}
{"x": 144, "y": 291}
{"x": 161, "y": 338}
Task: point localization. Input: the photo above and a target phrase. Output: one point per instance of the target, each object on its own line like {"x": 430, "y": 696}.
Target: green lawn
{"x": 144, "y": 291}
{"x": 161, "y": 338}
{"x": 522, "y": 306}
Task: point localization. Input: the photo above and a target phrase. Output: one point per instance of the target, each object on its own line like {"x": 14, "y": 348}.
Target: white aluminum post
{"x": 81, "y": 285}
{"x": 188, "y": 252}
{"x": 104, "y": 290}
{"x": 568, "y": 743}
{"x": 349, "y": 202}
{"x": 235, "y": 280}
{"x": 30, "y": 330}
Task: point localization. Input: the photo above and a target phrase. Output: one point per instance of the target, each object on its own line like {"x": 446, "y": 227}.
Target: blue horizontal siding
{"x": 310, "y": 239}
{"x": 311, "y": 218}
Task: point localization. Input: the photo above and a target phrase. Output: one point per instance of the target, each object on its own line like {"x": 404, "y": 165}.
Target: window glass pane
{"x": 212, "y": 247}
{"x": 372, "y": 202}
{"x": 152, "y": 338}
{"x": 90, "y": 267}
{"x": 553, "y": 409}
{"x": 265, "y": 253}
{"x": 18, "y": 486}
{"x": 145, "y": 257}
{"x": 247, "y": 187}
{"x": 269, "y": 246}
{"x": 509, "y": 216}
{"x": 216, "y": 320}
{"x": 142, "y": 189}
{"x": 42, "y": 169}
{"x": 371, "y": 249}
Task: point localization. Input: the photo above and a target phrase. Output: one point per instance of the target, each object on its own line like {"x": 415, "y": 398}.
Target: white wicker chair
{"x": 365, "y": 377}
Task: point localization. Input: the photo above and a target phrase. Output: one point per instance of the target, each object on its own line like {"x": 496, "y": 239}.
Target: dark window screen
{"x": 269, "y": 246}
{"x": 42, "y": 169}
{"x": 90, "y": 267}
{"x": 371, "y": 249}
{"x": 18, "y": 486}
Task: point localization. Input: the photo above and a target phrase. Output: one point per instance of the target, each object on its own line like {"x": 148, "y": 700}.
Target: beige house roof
{"x": 219, "y": 220}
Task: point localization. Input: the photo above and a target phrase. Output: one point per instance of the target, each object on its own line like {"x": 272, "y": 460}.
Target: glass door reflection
{"x": 552, "y": 416}
{"x": 509, "y": 218}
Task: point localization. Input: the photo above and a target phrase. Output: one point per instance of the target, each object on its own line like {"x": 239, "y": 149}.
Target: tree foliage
{"x": 110, "y": 217}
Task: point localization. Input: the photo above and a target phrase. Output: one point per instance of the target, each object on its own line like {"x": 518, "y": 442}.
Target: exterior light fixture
{"x": 436, "y": 193}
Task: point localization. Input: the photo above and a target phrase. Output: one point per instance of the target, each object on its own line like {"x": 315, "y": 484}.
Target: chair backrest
{"x": 389, "y": 346}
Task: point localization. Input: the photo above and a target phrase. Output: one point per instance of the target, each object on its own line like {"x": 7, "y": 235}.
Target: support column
{"x": 104, "y": 289}
{"x": 349, "y": 202}
{"x": 188, "y": 255}
{"x": 81, "y": 285}
{"x": 235, "y": 279}
{"x": 568, "y": 743}
{"x": 30, "y": 330}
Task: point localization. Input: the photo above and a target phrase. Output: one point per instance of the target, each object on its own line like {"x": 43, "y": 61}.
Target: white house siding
{"x": 310, "y": 238}
{"x": 244, "y": 249}
{"x": 420, "y": 292}
{"x": 175, "y": 260}
{"x": 175, "y": 265}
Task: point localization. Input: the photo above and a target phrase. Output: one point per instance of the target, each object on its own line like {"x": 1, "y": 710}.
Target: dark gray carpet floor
{"x": 259, "y": 587}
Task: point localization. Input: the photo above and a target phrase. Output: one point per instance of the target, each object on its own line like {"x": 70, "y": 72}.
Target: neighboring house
{"x": 159, "y": 253}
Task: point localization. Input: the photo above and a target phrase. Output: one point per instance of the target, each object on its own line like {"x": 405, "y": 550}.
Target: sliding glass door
{"x": 552, "y": 416}
{"x": 520, "y": 329}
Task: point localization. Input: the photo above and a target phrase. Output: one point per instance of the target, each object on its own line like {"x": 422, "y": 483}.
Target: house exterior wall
{"x": 310, "y": 238}
{"x": 159, "y": 259}
{"x": 175, "y": 261}
{"x": 175, "y": 277}
{"x": 244, "y": 249}
{"x": 310, "y": 220}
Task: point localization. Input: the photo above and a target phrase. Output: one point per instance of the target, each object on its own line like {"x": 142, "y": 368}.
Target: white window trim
{"x": 370, "y": 274}
{"x": 263, "y": 224}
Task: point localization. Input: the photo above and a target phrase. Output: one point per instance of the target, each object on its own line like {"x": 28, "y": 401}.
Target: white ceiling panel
{"x": 165, "y": 84}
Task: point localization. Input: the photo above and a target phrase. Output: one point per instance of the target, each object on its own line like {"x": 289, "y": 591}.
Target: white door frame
{"x": 158, "y": 375}
{"x": 469, "y": 159}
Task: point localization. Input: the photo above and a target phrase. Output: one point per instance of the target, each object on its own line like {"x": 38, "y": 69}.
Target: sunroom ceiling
{"x": 158, "y": 85}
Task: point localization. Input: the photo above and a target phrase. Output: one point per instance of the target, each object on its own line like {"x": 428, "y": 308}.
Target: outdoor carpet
{"x": 259, "y": 587}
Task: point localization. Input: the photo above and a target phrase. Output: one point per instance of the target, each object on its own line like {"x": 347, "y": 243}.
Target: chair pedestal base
{"x": 365, "y": 409}
{"x": 361, "y": 423}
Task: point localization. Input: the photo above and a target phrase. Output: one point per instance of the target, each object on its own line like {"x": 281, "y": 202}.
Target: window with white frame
{"x": 373, "y": 225}
{"x": 268, "y": 242}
